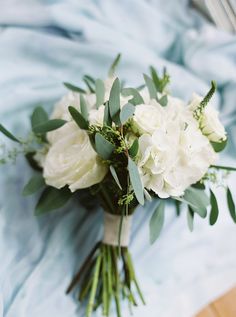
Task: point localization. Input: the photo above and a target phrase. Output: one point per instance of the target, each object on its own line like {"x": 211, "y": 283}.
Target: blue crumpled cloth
{"x": 42, "y": 44}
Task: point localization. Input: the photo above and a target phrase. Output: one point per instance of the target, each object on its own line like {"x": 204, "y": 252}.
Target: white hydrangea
{"x": 173, "y": 153}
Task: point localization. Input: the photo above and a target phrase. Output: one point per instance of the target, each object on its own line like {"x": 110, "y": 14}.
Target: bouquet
{"x": 125, "y": 146}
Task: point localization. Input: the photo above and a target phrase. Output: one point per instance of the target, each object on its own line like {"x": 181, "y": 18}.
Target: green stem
{"x": 227, "y": 168}
{"x": 94, "y": 286}
{"x": 83, "y": 268}
{"x": 130, "y": 264}
{"x": 104, "y": 282}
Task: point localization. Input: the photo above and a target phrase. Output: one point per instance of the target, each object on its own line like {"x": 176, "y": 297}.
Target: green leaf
{"x": 49, "y": 125}
{"x": 219, "y": 146}
{"x": 227, "y": 168}
{"x": 126, "y": 112}
{"x": 89, "y": 84}
{"x": 133, "y": 150}
{"x": 177, "y": 206}
{"x": 32, "y": 162}
{"x": 198, "y": 200}
{"x": 214, "y": 209}
{"x": 104, "y": 148}
{"x": 136, "y": 181}
{"x": 147, "y": 195}
{"x": 199, "y": 185}
{"x": 137, "y": 98}
{"x": 160, "y": 82}
{"x": 114, "y": 101}
{"x": 190, "y": 218}
{"x": 90, "y": 79}
{"x": 8, "y": 134}
{"x": 52, "y": 199}
{"x": 231, "y": 204}
{"x": 38, "y": 117}
{"x": 114, "y": 174}
{"x": 34, "y": 184}
{"x": 150, "y": 86}
{"x": 74, "y": 88}
{"x": 157, "y": 221}
{"x": 113, "y": 66}
{"x": 83, "y": 107}
{"x": 78, "y": 118}
{"x": 155, "y": 77}
{"x": 100, "y": 92}
{"x": 163, "y": 101}
{"x": 107, "y": 118}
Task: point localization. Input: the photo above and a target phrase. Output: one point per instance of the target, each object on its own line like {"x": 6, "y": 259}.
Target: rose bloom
{"x": 209, "y": 121}
{"x": 71, "y": 160}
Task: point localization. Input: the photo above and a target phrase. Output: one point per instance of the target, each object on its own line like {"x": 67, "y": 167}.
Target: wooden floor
{"x": 224, "y": 306}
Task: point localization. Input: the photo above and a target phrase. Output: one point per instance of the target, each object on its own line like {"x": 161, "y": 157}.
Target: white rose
{"x": 72, "y": 161}
{"x": 209, "y": 121}
{"x": 71, "y": 99}
{"x": 147, "y": 118}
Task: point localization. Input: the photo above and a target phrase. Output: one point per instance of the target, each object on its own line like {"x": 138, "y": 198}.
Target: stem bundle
{"x": 106, "y": 276}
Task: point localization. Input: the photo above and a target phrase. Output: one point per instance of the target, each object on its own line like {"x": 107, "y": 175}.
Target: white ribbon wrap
{"x": 111, "y": 229}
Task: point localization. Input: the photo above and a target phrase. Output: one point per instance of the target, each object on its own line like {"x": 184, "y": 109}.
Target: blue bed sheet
{"x": 42, "y": 44}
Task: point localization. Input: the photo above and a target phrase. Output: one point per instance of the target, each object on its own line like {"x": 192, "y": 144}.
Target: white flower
{"x": 148, "y": 117}
{"x": 175, "y": 156}
{"x": 71, "y": 99}
{"x": 209, "y": 121}
{"x": 72, "y": 161}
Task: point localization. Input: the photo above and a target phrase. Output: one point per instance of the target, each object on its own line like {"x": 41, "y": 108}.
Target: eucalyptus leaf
{"x": 157, "y": 221}
{"x": 231, "y": 205}
{"x": 104, "y": 148}
{"x": 34, "y": 184}
{"x": 163, "y": 101}
{"x": 197, "y": 197}
{"x": 136, "y": 181}
{"x": 137, "y": 98}
{"x": 107, "y": 118}
{"x": 114, "y": 101}
{"x": 32, "y": 162}
{"x": 177, "y": 206}
{"x": 83, "y": 107}
{"x": 49, "y": 125}
{"x": 8, "y": 134}
{"x": 78, "y": 118}
{"x": 74, "y": 88}
{"x": 133, "y": 150}
{"x": 147, "y": 195}
{"x": 190, "y": 218}
{"x": 52, "y": 199}
{"x": 113, "y": 66}
{"x": 219, "y": 146}
{"x": 214, "y": 209}
{"x": 126, "y": 112}
{"x": 90, "y": 78}
{"x": 100, "y": 92}
{"x": 114, "y": 174}
{"x": 150, "y": 86}
{"x": 89, "y": 84}
{"x": 38, "y": 117}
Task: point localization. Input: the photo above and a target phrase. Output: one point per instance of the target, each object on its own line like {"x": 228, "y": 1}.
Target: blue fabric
{"x": 42, "y": 44}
